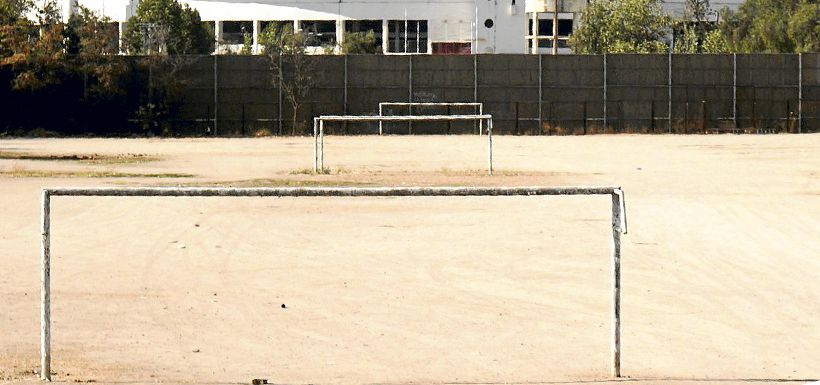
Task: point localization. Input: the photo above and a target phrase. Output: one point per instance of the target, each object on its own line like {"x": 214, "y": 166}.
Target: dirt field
{"x": 721, "y": 269}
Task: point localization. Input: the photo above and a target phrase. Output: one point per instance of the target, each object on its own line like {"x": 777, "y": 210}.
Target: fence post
{"x": 216, "y": 94}
{"x": 585, "y": 117}
{"x": 410, "y": 93}
{"x": 754, "y": 108}
{"x": 686, "y": 116}
{"x": 703, "y": 115}
{"x": 734, "y": 89}
{"x": 280, "y": 92}
{"x": 669, "y": 115}
{"x": 800, "y": 94}
{"x": 540, "y": 92}
{"x": 449, "y": 123}
{"x": 605, "y": 120}
{"x": 476, "y": 125}
{"x": 345, "y": 95}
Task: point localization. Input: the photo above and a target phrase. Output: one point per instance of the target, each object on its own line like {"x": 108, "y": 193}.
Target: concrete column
{"x": 68, "y": 9}
{"x": 385, "y": 35}
{"x": 119, "y": 40}
{"x": 257, "y": 25}
{"x": 340, "y": 35}
{"x": 217, "y": 35}
{"x": 296, "y": 26}
{"x": 534, "y": 32}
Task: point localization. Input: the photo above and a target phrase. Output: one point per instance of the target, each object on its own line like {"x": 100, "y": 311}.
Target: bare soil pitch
{"x": 720, "y": 269}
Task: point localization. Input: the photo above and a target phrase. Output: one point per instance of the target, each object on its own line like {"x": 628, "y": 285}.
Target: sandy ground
{"x": 721, "y": 269}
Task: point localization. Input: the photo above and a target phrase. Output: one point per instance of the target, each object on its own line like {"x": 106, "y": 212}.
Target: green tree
{"x": 247, "y": 44}
{"x": 773, "y": 26}
{"x": 360, "y": 43}
{"x": 292, "y": 67}
{"x": 166, "y": 27}
{"x": 695, "y": 26}
{"x": 621, "y": 26}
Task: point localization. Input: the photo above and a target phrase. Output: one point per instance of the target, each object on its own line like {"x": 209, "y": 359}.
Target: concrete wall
{"x": 571, "y": 97}
{"x": 526, "y": 94}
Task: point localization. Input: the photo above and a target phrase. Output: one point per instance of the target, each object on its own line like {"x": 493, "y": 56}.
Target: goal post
{"x": 319, "y": 130}
{"x": 410, "y": 105}
{"x": 618, "y": 222}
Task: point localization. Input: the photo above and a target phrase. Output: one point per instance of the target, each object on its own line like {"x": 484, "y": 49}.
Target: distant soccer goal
{"x": 478, "y": 108}
{"x": 618, "y": 222}
{"x": 319, "y": 130}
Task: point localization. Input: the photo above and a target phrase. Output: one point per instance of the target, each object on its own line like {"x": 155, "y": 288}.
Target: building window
{"x": 545, "y": 27}
{"x": 407, "y": 36}
{"x": 365, "y": 26}
{"x": 321, "y": 33}
{"x": 233, "y": 32}
{"x": 542, "y": 34}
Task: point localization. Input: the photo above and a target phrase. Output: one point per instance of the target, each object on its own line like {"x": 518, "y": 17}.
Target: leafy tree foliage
{"x": 33, "y": 49}
{"x": 621, "y": 26}
{"x": 293, "y": 68}
{"x": 167, "y": 27}
{"x": 93, "y": 46}
{"x": 360, "y": 43}
{"x": 774, "y": 26}
{"x": 696, "y": 31}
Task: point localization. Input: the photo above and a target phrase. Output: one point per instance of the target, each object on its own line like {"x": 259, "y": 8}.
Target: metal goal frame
{"x": 319, "y": 130}
{"x": 410, "y": 106}
{"x": 619, "y": 227}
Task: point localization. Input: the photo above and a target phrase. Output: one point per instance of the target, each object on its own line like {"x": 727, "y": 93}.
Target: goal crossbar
{"x": 410, "y": 105}
{"x": 619, "y": 227}
{"x": 319, "y": 130}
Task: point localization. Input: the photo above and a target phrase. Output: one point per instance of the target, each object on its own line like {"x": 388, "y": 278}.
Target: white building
{"x": 401, "y": 26}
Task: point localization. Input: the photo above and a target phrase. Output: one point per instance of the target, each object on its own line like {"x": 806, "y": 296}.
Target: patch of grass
{"x": 476, "y": 172}
{"x": 269, "y": 182}
{"x": 84, "y": 158}
{"x": 323, "y": 171}
{"x": 18, "y": 172}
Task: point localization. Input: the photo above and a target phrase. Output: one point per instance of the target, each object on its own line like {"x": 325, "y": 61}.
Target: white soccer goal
{"x": 319, "y": 130}
{"x": 618, "y": 228}
{"x": 410, "y": 105}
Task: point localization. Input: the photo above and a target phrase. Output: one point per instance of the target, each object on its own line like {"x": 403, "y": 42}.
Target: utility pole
{"x": 555, "y": 27}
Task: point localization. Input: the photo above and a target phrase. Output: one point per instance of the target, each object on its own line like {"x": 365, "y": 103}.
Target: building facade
{"x": 401, "y": 27}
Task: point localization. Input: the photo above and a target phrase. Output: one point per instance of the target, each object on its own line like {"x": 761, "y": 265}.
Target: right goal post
{"x": 618, "y": 223}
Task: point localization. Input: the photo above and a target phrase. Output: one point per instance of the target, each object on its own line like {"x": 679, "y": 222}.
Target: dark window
{"x": 414, "y": 38}
{"x": 545, "y": 27}
{"x": 565, "y": 27}
{"x": 233, "y": 32}
{"x": 365, "y": 26}
{"x": 320, "y": 32}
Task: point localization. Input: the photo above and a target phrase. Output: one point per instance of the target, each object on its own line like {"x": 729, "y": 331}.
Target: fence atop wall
{"x": 526, "y": 94}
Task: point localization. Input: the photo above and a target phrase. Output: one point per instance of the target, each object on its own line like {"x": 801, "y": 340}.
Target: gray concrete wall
{"x": 573, "y": 88}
